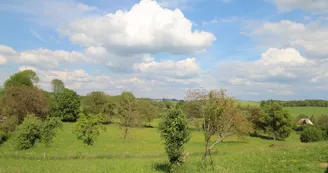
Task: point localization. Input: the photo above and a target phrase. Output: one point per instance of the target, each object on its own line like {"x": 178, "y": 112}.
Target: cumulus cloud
{"x": 317, "y": 6}
{"x": 312, "y": 38}
{"x": 277, "y": 72}
{"x": 187, "y": 68}
{"x": 146, "y": 28}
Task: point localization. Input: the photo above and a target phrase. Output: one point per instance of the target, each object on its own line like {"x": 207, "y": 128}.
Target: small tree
{"x": 87, "y": 128}
{"x": 49, "y": 128}
{"x": 28, "y": 133}
{"x": 66, "y": 105}
{"x": 278, "y": 121}
{"x": 256, "y": 116}
{"x": 129, "y": 115}
{"x": 175, "y": 132}
{"x": 57, "y": 86}
{"x": 221, "y": 117}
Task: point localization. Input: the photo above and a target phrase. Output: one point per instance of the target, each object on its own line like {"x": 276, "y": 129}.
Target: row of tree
{"x": 302, "y": 103}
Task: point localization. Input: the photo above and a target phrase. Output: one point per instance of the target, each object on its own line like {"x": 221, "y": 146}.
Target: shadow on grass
{"x": 162, "y": 167}
{"x": 265, "y": 137}
{"x": 148, "y": 126}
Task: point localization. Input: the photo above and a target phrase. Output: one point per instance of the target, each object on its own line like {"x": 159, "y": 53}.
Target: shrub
{"x": 311, "y": 134}
{"x": 49, "y": 128}
{"x": 28, "y": 132}
{"x": 174, "y": 130}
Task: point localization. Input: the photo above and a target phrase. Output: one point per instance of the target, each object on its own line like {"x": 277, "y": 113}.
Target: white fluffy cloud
{"x": 317, "y": 6}
{"x": 276, "y": 72}
{"x": 312, "y": 38}
{"x": 146, "y": 28}
{"x": 187, "y": 68}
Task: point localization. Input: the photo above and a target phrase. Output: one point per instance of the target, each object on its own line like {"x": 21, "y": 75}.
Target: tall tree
{"x": 128, "y": 112}
{"x": 66, "y": 105}
{"x": 57, "y": 86}
{"x": 21, "y": 100}
{"x": 221, "y": 115}
{"x": 278, "y": 121}
{"x": 23, "y": 78}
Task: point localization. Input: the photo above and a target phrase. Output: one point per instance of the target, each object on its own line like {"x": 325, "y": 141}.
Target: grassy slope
{"x": 144, "y": 152}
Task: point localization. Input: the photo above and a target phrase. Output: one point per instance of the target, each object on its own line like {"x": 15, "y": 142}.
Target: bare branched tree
{"x": 221, "y": 116}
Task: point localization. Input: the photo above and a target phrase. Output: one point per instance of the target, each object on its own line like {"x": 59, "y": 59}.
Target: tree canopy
{"x": 66, "y": 105}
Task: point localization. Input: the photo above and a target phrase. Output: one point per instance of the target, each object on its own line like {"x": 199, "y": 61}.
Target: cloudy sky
{"x": 256, "y": 49}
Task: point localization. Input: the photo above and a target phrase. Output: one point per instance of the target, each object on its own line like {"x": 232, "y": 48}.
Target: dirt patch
{"x": 323, "y": 165}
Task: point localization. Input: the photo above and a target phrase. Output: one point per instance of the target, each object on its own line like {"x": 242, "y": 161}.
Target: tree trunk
{"x": 125, "y": 134}
{"x": 205, "y": 153}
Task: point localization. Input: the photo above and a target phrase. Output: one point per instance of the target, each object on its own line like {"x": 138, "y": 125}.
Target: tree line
{"x": 32, "y": 115}
{"x": 302, "y": 103}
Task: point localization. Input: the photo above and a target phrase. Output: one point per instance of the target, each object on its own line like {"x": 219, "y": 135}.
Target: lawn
{"x": 144, "y": 152}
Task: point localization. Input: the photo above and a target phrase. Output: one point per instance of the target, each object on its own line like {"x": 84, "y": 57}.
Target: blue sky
{"x": 259, "y": 49}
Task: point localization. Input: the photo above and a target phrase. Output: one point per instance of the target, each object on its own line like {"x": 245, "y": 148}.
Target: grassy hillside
{"x": 144, "y": 152}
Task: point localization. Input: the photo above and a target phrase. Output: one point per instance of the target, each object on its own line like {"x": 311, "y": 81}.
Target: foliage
{"x": 87, "y": 128}
{"x": 222, "y": 117}
{"x": 99, "y": 103}
{"x": 49, "y": 128}
{"x": 57, "y": 86}
{"x": 277, "y": 120}
{"x": 322, "y": 122}
{"x": 3, "y": 136}
{"x": 129, "y": 115}
{"x": 311, "y": 134}
{"x": 28, "y": 132}
{"x": 300, "y": 103}
{"x": 9, "y": 125}
{"x": 147, "y": 111}
{"x": 256, "y": 116}
{"x": 23, "y": 78}
{"x": 66, "y": 105}
{"x": 22, "y": 100}
{"x": 174, "y": 130}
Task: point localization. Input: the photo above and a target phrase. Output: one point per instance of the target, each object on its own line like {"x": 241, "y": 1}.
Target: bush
{"x": 311, "y": 134}
{"x": 28, "y": 133}
{"x": 49, "y": 128}
{"x": 175, "y": 132}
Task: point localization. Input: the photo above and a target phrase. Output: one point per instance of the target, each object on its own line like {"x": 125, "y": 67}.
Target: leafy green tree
{"x": 175, "y": 132}
{"x": 277, "y": 120}
{"x": 28, "y": 133}
{"x": 49, "y": 128}
{"x": 66, "y": 105}
{"x": 21, "y": 100}
{"x": 87, "y": 128}
{"x": 128, "y": 112}
{"x": 57, "y": 86}
{"x": 256, "y": 116}
{"x": 23, "y": 78}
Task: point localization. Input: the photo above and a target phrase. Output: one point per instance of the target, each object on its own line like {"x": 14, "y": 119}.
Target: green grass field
{"x": 144, "y": 152}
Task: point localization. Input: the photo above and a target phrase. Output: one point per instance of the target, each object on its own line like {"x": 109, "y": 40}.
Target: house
{"x": 304, "y": 121}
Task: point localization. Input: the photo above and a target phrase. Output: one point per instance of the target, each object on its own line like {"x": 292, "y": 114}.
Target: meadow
{"x": 144, "y": 152}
